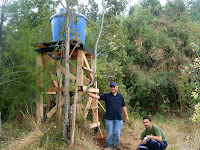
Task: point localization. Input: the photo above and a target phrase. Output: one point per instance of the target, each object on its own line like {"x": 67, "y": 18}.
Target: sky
{"x": 100, "y": 1}
{"x": 131, "y": 3}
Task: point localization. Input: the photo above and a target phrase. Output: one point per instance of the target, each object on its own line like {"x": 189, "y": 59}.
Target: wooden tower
{"x": 82, "y": 59}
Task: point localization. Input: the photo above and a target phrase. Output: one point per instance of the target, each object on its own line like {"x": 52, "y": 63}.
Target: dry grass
{"x": 30, "y": 139}
{"x": 181, "y": 135}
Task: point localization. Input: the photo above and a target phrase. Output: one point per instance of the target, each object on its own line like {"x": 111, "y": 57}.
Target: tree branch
{"x": 9, "y": 81}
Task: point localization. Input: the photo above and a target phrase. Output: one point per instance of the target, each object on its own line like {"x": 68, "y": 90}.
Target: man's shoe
{"x": 114, "y": 147}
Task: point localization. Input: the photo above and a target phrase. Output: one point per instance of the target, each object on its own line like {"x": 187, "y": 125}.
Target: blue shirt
{"x": 114, "y": 105}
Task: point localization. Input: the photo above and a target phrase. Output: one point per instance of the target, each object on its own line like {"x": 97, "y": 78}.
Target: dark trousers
{"x": 153, "y": 145}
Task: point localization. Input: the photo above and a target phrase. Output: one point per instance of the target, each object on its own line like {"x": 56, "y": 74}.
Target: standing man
{"x": 152, "y": 138}
{"x": 114, "y": 105}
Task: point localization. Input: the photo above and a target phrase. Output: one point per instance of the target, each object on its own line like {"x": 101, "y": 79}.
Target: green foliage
{"x": 143, "y": 52}
{"x": 196, "y": 115}
{"x": 18, "y": 56}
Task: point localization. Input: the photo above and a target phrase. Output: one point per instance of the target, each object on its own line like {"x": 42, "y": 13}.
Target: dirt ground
{"x": 180, "y": 135}
{"x": 128, "y": 139}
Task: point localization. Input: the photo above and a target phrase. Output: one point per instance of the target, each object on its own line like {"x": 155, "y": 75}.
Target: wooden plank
{"x": 95, "y": 101}
{"x": 101, "y": 106}
{"x": 39, "y": 109}
{"x": 46, "y": 67}
{"x": 97, "y": 122}
{"x": 55, "y": 108}
{"x": 79, "y": 82}
{"x": 40, "y": 45}
{"x": 72, "y": 68}
{"x": 49, "y": 58}
{"x": 92, "y": 107}
{"x": 53, "y": 80}
{"x": 93, "y": 90}
{"x": 75, "y": 57}
{"x": 72, "y": 77}
{"x": 59, "y": 93}
{"x": 49, "y": 93}
{"x": 55, "y": 89}
{"x": 93, "y": 125}
{"x": 52, "y": 61}
{"x": 88, "y": 69}
{"x": 87, "y": 105}
{"x": 85, "y": 79}
{"x": 87, "y": 66}
{"x": 39, "y": 103}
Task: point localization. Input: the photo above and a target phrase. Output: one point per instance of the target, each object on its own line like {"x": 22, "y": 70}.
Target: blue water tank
{"x": 77, "y": 26}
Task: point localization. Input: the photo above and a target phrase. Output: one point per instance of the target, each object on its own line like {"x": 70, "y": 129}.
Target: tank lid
{"x": 62, "y": 12}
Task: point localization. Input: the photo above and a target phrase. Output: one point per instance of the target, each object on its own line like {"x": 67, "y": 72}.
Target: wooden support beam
{"x": 53, "y": 80}
{"x": 83, "y": 88}
{"x": 52, "y": 61}
{"x": 79, "y": 81}
{"x": 39, "y": 110}
{"x": 87, "y": 66}
{"x": 93, "y": 125}
{"x": 85, "y": 79}
{"x": 87, "y": 69}
{"x": 92, "y": 107}
{"x": 101, "y": 106}
{"x": 55, "y": 89}
{"x": 55, "y": 83}
{"x": 95, "y": 101}
{"x": 40, "y": 45}
{"x": 75, "y": 57}
{"x": 51, "y": 93}
{"x": 87, "y": 105}
{"x": 55, "y": 108}
{"x": 39, "y": 103}
{"x": 96, "y": 121}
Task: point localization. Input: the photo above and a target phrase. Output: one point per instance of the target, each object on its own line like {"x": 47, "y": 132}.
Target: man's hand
{"x": 157, "y": 138}
{"x": 126, "y": 114}
{"x": 145, "y": 139}
{"x": 93, "y": 95}
{"x": 127, "y": 120}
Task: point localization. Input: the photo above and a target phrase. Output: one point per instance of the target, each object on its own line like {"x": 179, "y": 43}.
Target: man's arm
{"x": 138, "y": 144}
{"x": 125, "y": 113}
{"x": 157, "y": 138}
{"x": 93, "y": 96}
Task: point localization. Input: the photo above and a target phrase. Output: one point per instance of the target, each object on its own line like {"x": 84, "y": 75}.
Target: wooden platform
{"x": 53, "y": 47}
{"x": 81, "y": 74}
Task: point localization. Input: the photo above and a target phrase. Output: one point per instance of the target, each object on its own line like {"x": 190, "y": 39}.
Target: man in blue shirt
{"x": 114, "y": 105}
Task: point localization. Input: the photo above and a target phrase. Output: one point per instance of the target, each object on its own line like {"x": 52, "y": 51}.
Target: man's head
{"x": 147, "y": 122}
{"x": 113, "y": 87}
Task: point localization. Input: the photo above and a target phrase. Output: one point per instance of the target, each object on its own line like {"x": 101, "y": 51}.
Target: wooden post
{"x": 74, "y": 116}
{"x": 39, "y": 103}
{"x": 59, "y": 93}
{"x": 94, "y": 102}
{"x": 79, "y": 82}
{"x": 0, "y": 126}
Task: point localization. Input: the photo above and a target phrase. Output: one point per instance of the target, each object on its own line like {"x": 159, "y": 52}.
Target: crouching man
{"x": 152, "y": 138}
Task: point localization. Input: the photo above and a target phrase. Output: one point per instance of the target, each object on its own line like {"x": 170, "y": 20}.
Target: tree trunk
{"x": 66, "y": 131}
{"x": 0, "y": 126}
{"x": 4, "y": 2}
